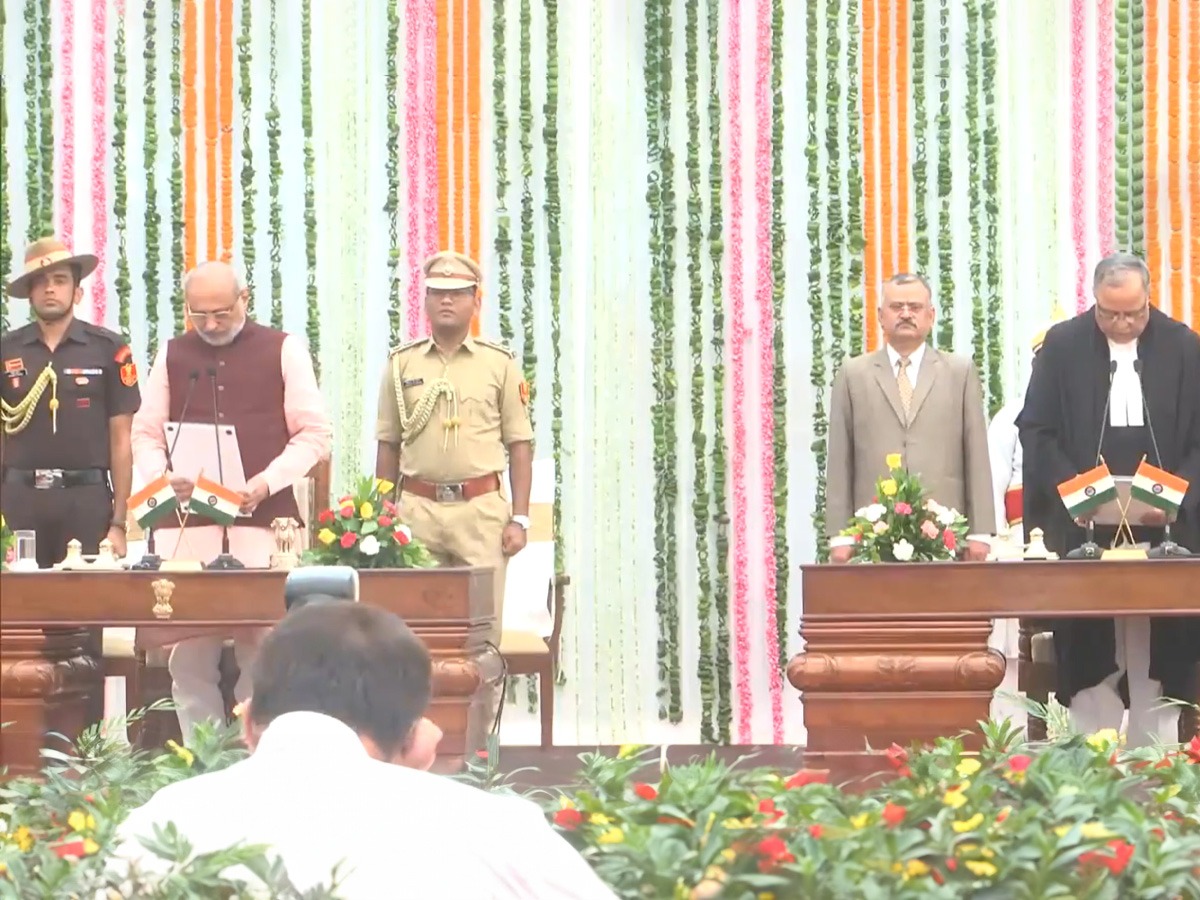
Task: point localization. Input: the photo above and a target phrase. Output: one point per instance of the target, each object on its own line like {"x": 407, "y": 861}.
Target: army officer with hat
{"x": 453, "y": 414}
{"x": 69, "y": 392}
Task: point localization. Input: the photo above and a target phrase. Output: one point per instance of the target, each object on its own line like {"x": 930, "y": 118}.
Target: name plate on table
{"x": 1119, "y": 553}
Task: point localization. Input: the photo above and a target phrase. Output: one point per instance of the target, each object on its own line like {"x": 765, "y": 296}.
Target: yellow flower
{"x": 715, "y": 873}
{"x": 1104, "y": 740}
{"x": 1095, "y": 831}
{"x": 728, "y": 854}
{"x": 383, "y": 486}
{"x": 914, "y": 868}
{"x": 565, "y": 802}
{"x": 968, "y": 767}
{"x": 628, "y": 750}
{"x": 240, "y": 709}
{"x": 893, "y": 460}
{"x": 366, "y": 510}
{"x": 860, "y": 821}
{"x": 78, "y": 820}
{"x": 766, "y": 895}
{"x": 981, "y": 868}
{"x": 888, "y": 487}
{"x": 23, "y": 838}
{"x": 325, "y": 536}
{"x": 955, "y": 798}
{"x": 611, "y": 836}
{"x": 599, "y": 819}
{"x": 90, "y": 847}
{"x": 735, "y": 824}
{"x": 182, "y": 752}
{"x": 970, "y": 824}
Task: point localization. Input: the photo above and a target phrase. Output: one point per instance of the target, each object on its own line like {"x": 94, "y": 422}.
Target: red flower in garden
{"x": 767, "y": 808}
{"x": 645, "y": 791}
{"x": 893, "y": 814}
{"x": 807, "y": 776}
{"x": 949, "y": 540}
{"x": 326, "y": 517}
{"x": 570, "y": 819}
{"x": 348, "y": 539}
{"x": 771, "y": 852}
{"x": 1115, "y": 861}
{"x": 1192, "y": 750}
{"x": 816, "y": 830}
{"x": 1019, "y": 762}
{"x": 897, "y": 757}
{"x": 902, "y": 508}
{"x": 346, "y": 511}
{"x": 385, "y": 521}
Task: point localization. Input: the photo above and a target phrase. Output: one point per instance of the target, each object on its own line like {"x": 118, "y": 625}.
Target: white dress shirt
{"x": 914, "y": 362}
{"x": 311, "y": 792}
{"x": 1125, "y": 405}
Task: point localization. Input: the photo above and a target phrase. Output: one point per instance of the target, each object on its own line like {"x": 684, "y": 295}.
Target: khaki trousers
{"x": 466, "y": 531}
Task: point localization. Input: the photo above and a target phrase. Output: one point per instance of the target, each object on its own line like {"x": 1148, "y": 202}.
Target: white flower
{"x": 369, "y": 545}
{"x": 872, "y": 513}
{"x": 902, "y": 550}
{"x": 947, "y": 517}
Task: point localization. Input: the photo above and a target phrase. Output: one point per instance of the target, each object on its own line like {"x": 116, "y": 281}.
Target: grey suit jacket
{"x": 944, "y": 442}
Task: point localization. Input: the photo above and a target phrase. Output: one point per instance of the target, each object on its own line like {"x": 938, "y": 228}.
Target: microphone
{"x": 1168, "y": 547}
{"x": 1089, "y": 549}
{"x": 225, "y": 561}
{"x": 151, "y": 561}
{"x": 1112, "y": 371}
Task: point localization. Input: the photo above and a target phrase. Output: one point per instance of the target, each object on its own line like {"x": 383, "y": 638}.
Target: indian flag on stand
{"x": 1088, "y": 492}
{"x": 153, "y": 502}
{"x": 215, "y": 501}
{"x": 1158, "y": 488}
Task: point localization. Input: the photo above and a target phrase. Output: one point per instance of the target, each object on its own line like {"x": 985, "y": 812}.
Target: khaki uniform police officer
{"x": 453, "y": 413}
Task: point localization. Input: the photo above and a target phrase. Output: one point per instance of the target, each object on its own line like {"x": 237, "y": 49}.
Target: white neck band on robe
{"x": 1125, "y": 407}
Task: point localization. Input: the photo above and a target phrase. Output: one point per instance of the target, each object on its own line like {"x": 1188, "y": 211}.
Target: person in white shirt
{"x": 337, "y": 779}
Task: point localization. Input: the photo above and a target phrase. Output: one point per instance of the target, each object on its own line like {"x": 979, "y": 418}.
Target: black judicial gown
{"x": 1060, "y": 428}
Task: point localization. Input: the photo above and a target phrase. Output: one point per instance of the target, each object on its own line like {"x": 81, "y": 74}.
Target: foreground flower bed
{"x": 1078, "y": 819}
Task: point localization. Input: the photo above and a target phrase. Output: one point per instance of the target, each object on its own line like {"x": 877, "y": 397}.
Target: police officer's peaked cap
{"x": 450, "y": 271}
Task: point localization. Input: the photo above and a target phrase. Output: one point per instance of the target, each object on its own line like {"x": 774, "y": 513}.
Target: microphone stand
{"x": 1089, "y": 549}
{"x": 151, "y": 561}
{"x": 225, "y": 562}
{"x": 1168, "y": 548}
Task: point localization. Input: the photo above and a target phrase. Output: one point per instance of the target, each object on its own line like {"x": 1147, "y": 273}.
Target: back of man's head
{"x": 356, "y": 663}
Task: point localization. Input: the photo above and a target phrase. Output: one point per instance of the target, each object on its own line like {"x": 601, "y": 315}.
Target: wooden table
{"x": 898, "y": 652}
{"x": 50, "y": 675}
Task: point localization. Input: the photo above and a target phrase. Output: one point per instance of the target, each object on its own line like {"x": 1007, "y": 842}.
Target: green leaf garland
{"x": 176, "y": 167}
{"x": 503, "y": 241}
{"x": 274, "y": 176}
{"x": 855, "y": 239}
{"x": 835, "y": 237}
{"x": 120, "y": 136}
{"x": 33, "y": 102}
{"x": 1137, "y": 119}
{"x": 716, "y": 253}
{"x": 5, "y": 199}
{"x": 553, "y": 210}
{"x": 46, "y": 123}
{"x": 150, "y": 273}
{"x": 392, "y": 206}
{"x": 991, "y": 210}
{"x": 313, "y": 325}
{"x": 974, "y": 200}
{"x": 245, "y": 87}
{"x": 818, "y": 314}
{"x": 528, "y": 351}
{"x": 945, "y": 298}
{"x": 920, "y": 117}
{"x": 779, "y": 384}
{"x": 701, "y": 500}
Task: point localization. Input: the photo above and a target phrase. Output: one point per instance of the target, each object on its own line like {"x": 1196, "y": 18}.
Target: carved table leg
{"x": 869, "y": 683}
{"x": 48, "y": 680}
{"x": 464, "y": 702}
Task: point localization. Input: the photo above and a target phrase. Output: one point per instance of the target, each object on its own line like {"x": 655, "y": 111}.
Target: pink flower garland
{"x": 430, "y": 137}
{"x": 413, "y": 180}
{"x": 737, "y": 339}
{"x": 1106, "y": 184}
{"x": 1077, "y": 154}
{"x": 99, "y": 154}
{"x": 66, "y": 111}
{"x": 763, "y": 157}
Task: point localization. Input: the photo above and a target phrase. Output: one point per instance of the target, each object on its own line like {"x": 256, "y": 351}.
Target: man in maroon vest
{"x": 261, "y": 382}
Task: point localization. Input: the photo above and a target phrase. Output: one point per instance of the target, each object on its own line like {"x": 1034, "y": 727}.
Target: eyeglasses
{"x": 219, "y": 317}
{"x": 1109, "y": 315}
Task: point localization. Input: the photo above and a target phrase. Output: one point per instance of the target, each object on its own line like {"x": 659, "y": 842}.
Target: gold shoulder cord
{"x": 16, "y": 418}
{"x": 413, "y": 424}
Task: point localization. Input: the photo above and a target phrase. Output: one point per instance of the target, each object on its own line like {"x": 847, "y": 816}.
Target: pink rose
{"x": 949, "y": 540}
{"x": 903, "y": 509}
{"x": 929, "y": 530}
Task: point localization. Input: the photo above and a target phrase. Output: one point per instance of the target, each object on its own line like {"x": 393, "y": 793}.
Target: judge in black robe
{"x": 1060, "y": 429}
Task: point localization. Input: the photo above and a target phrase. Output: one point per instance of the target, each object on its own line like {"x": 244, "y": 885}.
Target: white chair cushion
{"x": 523, "y": 642}
{"x": 118, "y": 643}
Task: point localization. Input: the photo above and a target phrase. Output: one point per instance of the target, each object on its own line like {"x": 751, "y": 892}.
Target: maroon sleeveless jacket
{"x": 249, "y": 379}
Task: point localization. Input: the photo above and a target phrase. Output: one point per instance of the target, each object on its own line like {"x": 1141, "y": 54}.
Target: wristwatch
{"x": 523, "y": 521}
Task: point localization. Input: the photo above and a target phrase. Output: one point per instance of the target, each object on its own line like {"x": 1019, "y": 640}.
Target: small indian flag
{"x": 1088, "y": 492}
{"x": 153, "y": 502}
{"x": 1157, "y": 488}
{"x": 215, "y": 501}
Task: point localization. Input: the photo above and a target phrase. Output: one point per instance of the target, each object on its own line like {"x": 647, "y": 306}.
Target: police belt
{"x": 452, "y": 492}
{"x": 45, "y": 479}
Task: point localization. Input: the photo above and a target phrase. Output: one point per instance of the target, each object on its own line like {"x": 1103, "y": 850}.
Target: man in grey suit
{"x": 911, "y": 399}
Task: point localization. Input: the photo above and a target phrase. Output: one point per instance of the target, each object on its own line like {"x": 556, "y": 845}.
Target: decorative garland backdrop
{"x": 696, "y": 291}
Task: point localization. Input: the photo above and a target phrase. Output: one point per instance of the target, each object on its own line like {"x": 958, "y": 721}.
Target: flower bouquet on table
{"x": 6, "y": 544}
{"x": 902, "y": 524}
{"x": 363, "y": 530}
